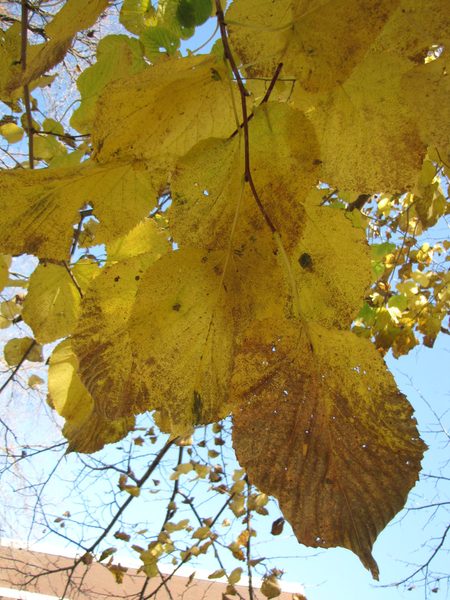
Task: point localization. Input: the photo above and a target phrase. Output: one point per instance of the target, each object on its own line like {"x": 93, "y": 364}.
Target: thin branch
{"x": 17, "y": 367}
{"x": 248, "y": 543}
{"x": 425, "y": 565}
{"x": 243, "y": 94}
{"x": 26, "y": 89}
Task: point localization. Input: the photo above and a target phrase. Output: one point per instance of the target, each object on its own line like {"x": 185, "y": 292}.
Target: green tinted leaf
{"x": 191, "y": 13}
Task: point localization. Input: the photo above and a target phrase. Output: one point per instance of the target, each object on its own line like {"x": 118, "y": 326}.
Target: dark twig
{"x": 26, "y": 89}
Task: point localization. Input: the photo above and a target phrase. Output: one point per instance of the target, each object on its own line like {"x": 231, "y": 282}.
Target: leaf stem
{"x": 245, "y": 117}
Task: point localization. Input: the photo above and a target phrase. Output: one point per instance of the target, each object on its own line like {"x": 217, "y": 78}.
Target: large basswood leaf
{"x": 427, "y": 92}
{"x": 158, "y": 336}
{"x": 368, "y": 135}
{"x": 182, "y": 335}
{"x": 38, "y": 208}
{"x": 160, "y": 113}
{"x": 211, "y": 206}
{"x": 85, "y": 430}
{"x": 102, "y": 342}
{"x": 319, "y": 424}
{"x": 414, "y": 28}
{"x": 318, "y": 42}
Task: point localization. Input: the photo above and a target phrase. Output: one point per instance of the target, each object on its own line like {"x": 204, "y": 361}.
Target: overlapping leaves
{"x": 239, "y": 299}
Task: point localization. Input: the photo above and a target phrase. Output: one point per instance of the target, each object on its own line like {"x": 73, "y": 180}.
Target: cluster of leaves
{"x": 202, "y": 248}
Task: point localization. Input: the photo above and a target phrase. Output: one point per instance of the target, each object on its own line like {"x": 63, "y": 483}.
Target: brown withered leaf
{"x": 319, "y": 424}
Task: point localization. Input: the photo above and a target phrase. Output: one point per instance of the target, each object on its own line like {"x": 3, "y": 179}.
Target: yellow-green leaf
{"x": 118, "y": 56}
{"x": 52, "y": 305}
{"x": 11, "y": 132}
{"x": 18, "y": 350}
{"x": 85, "y": 430}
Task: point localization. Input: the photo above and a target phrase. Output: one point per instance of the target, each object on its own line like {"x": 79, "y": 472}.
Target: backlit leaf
{"x": 17, "y": 350}
{"x": 52, "y": 304}
{"x": 38, "y": 208}
{"x": 317, "y": 420}
{"x": 85, "y": 430}
{"x": 134, "y": 115}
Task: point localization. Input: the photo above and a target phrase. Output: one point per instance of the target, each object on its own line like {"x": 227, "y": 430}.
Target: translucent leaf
{"x": 47, "y": 147}
{"x": 192, "y": 13}
{"x": 11, "y": 132}
{"x": 52, "y": 305}
{"x": 135, "y": 14}
{"x": 102, "y": 341}
{"x": 181, "y": 329}
{"x": 160, "y": 113}
{"x": 18, "y": 350}
{"x": 318, "y": 43}
{"x": 85, "y": 430}
{"x": 38, "y": 208}
{"x": 320, "y": 424}
{"x": 427, "y": 89}
{"x": 146, "y": 238}
{"x": 331, "y": 266}
{"x": 118, "y": 56}
{"x": 208, "y": 188}
{"x": 380, "y": 149}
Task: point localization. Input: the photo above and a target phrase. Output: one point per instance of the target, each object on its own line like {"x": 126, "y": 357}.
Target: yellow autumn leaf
{"x": 317, "y": 420}
{"x": 52, "y": 305}
{"x": 380, "y": 149}
{"x": 107, "y": 367}
{"x": 207, "y": 186}
{"x": 118, "y": 56}
{"x": 10, "y": 47}
{"x": 181, "y": 329}
{"x": 85, "y": 430}
{"x": 331, "y": 265}
{"x": 270, "y": 587}
{"x": 150, "y": 559}
{"x": 38, "y": 208}
{"x": 35, "y": 381}
{"x": 235, "y": 576}
{"x": 17, "y": 350}
{"x": 320, "y": 43}
{"x": 11, "y": 132}
{"x": 5, "y": 262}
{"x": 146, "y": 238}
{"x": 134, "y": 115}
{"x": 426, "y": 91}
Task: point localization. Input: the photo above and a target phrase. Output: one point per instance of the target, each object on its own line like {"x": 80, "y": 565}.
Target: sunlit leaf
{"x": 317, "y": 420}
